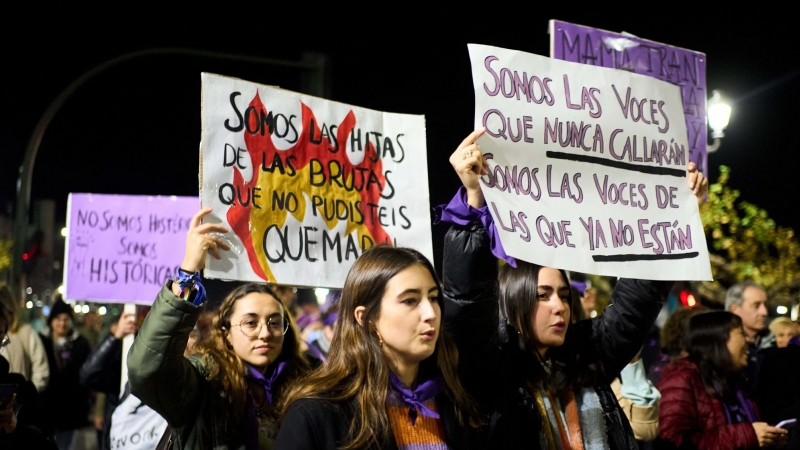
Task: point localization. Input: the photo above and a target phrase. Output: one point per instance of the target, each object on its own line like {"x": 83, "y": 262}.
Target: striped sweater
{"x": 426, "y": 434}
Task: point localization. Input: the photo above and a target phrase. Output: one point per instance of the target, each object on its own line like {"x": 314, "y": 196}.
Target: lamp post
{"x": 312, "y": 68}
{"x": 719, "y": 114}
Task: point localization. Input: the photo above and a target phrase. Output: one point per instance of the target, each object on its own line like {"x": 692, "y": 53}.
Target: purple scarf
{"x": 459, "y": 212}
{"x": 745, "y": 407}
{"x": 415, "y": 399}
{"x": 274, "y": 371}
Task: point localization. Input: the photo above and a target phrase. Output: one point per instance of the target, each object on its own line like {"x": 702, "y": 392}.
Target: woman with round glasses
{"x": 223, "y": 396}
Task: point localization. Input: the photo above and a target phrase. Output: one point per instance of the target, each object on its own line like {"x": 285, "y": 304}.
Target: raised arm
{"x": 159, "y": 374}
{"x": 470, "y": 269}
{"x": 618, "y": 334}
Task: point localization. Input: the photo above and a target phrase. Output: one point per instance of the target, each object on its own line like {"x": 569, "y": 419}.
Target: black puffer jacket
{"x": 494, "y": 372}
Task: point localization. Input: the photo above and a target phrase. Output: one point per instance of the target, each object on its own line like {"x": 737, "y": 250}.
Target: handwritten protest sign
{"x": 306, "y": 185}
{"x": 122, "y": 248}
{"x": 587, "y": 167}
{"x": 684, "y": 68}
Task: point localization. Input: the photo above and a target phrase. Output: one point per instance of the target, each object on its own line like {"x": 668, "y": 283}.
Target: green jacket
{"x": 174, "y": 386}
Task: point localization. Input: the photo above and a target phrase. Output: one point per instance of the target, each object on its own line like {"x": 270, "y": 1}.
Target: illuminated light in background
{"x": 29, "y": 291}
{"x": 38, "y": 303}
{"x": 46, "y": 310}
{"x": 102, "y": 310}
{"x": 29, "y": 304}
{"x": 321, "y": 294}
{"x": 782, "y": 310}
{"x": 61, "y": 289}
{"x": 687, "y": 299}
{"x": 593, "y": 314}
{"x": 77, "y": 309}
{"x": 65, "y": 231}
{"x": 85, "y": 309}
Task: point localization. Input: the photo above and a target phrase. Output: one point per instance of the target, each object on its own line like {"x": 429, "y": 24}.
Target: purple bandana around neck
{"x": 416, "y": 398}
{"x": 274, "y": 372}
{"x": 267, "y": 383}
{"x": 460, "y": 212}
{"x": 746, "y": 407}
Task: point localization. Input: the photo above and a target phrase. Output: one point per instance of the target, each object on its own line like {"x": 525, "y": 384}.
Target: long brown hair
{"x": 227, "y": 368}
{"x": 356, "y": 370}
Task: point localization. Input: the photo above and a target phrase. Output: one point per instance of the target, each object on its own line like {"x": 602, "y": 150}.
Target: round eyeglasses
{"x": 250, "y": 327}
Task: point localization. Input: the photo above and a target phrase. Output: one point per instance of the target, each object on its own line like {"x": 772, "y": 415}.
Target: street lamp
{"x": 719, "y": 114}
{"x": 312, "y": 68}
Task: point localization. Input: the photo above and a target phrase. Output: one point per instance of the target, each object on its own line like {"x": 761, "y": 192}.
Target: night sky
{"x": 135, "y": 128}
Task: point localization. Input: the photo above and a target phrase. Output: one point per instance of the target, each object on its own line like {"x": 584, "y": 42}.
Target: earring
{"x": 380, "y": 339}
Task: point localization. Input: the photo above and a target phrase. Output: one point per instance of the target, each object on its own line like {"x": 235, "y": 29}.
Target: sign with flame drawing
{"x": 305, "y": 185}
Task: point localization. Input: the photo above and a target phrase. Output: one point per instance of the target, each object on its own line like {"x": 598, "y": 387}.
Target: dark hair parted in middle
{"x": 518, "y": 298}
{"x": 356, "y": 370}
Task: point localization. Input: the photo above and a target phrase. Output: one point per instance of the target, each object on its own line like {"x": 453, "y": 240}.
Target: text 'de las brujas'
{"x": 307, "y": 185}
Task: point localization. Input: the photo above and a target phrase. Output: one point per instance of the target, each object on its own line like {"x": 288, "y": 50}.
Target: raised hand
{"x": 200, "y": 241}
{"x": 698, "y": 183}
{"x": 469, "y": 164}
{"x": 126, "y": 325}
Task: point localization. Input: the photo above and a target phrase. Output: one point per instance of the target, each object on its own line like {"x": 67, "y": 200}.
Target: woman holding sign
{"x": 390, "y": 378}
{"x": 539, "y": 378}
{"x": 225, "y": 395}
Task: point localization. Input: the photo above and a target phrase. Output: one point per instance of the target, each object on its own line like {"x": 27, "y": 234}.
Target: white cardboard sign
{"x": 587, "y": 167}
{"x": 306, "y": 185}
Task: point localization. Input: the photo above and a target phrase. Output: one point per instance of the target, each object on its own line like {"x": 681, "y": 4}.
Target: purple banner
{"x": 684, "y": 68}
{"x": 123, "y": 248}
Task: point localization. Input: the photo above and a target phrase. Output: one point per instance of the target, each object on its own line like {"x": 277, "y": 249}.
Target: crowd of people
{"x": 490, "y": 356}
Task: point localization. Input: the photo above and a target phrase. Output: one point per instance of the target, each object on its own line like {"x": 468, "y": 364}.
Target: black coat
{"x": 495, "y": 372}
{"x": 779, "y": 390}
{"x": 102, "y": 372}
{"x": 313, "y": 424}
{"x": 65, "y": 399}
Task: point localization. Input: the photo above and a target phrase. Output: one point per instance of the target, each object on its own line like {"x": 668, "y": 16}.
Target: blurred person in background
{"x": 748, "y": 300}
{"x": 672, "y": 337}
{"x": 25, "y": 351}
{"x": 90, "y": 329}
{"x": 639, "y": 400}
{"x": 705, "y": 401}
{"x": 65, "y": 400}
{"x": 779, "y": 389}
{"x": 783, "y": 329}
{"x": 102, "y": 371}
{"x": 21, "y": 422}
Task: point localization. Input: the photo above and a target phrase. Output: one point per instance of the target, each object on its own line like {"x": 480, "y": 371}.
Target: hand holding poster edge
{"x": 540, "y": 66}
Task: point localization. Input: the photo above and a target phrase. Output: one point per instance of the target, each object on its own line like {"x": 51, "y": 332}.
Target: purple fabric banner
{"x": 122, "y": 248}
{"x": 681, "y": 67}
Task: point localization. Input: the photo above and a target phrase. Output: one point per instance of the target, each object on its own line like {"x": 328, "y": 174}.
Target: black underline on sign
{"x": 616, "y": 164}
{"x": 653, "y": 257}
